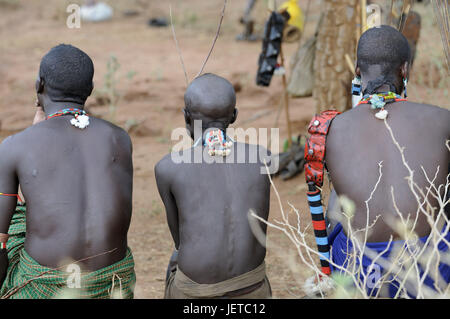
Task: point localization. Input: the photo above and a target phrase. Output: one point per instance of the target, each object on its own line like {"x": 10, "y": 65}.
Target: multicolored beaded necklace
{"x": 217, "y": 143}
{"x": 379, "y": 100}
{"x": 71, "y": 111}
{"x": 80, "y": 120}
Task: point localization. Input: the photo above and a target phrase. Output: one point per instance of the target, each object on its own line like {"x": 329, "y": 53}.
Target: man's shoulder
{"x": 437, "y": 116}
{"x": 10, "y": 146}
{"x": 111, "y": 128}
{"x": 164, "y": 166}
{"x": 427, "y": 107}
{"x": 413, "y": 108}
{"x": 7, "y": 144}
{"x": 25, "y": 136}
{"x": 165, "y": 161}
{"x": 109, "y": 132}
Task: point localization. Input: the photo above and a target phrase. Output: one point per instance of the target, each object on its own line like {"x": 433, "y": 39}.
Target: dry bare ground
{"x": 151, "y": 85}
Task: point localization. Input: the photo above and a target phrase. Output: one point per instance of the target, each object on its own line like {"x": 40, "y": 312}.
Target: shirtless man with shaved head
{"x": 207, "y": 203}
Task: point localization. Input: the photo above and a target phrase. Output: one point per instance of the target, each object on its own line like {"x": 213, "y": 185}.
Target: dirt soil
{"x": 151, "y": 85}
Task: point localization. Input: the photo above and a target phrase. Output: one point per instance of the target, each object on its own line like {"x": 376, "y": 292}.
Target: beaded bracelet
{"x": 16, "y": 195}
{"x": 80, "y": 120}
{"x": 3, "y": 240}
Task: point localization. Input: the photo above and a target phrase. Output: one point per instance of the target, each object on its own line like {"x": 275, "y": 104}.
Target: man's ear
{"x": 187, "y": 116}
{"x": 234, "y": 116}
{"x": 188, "y": 121}
{"x": 404, "y": 70}
{"x": 92, "y": 88}
{"x": 40, "y": 82}
{"x": 357, "y": 71}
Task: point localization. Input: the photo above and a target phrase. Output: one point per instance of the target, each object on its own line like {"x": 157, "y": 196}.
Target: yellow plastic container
{"x": 297, "y": 19}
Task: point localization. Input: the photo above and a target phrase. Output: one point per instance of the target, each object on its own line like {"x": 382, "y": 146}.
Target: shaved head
{"x": 212, "y": 100}
{"x": 211, "y": 96}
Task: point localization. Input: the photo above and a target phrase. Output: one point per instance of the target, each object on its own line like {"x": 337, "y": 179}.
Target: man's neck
{"x": 376, "y": 72}
{"x": 53, "y": 107}
{"x": 205, "y": 132}
{"x": 382, "y": 89}
{"x": 209, "y": 129}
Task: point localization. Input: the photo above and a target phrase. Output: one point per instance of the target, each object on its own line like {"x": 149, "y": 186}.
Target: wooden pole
{"x": 286, "y": 98}
{"x": 391, "y": 13}
{"x": 404, "y": 15}
{"x": 336, "y": 37}
{"x": 363, "y": 15}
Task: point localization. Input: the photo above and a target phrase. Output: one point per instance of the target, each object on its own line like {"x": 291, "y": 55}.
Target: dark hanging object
{"x": 273, "y": 35}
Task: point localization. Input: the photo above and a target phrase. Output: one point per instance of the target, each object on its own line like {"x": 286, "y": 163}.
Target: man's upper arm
{"x": 8, "y": 183}
{"x": 163, "y": 181}
{"x": 124, "y": 142}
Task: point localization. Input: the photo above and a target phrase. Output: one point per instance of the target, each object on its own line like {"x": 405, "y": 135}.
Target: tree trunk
{"x": 338, "y": 35}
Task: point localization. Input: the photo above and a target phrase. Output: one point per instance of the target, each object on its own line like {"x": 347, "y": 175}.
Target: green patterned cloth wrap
{"x": 27, "y": 279}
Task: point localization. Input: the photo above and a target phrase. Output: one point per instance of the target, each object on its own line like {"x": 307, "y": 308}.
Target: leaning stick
{"x": 286, "y": 98}
{"x": 350, "y": 65}
{"x": 405, "y": 13}
{"x": 300, "y": 42}
{"x": 215, "y": 38}
{"x": 391, "y": 13}
{"x": 178, "y": 47}
{"x": 363, "y": 16}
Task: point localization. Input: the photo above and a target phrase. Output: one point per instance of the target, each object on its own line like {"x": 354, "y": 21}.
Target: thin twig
{"x": 215, "y": 38}
{"x": 178, "y": 47}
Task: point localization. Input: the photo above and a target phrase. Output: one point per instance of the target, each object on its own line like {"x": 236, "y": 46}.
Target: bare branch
{"x": 178, "y": 47}
{"x": 215, "y": 38}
